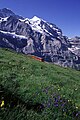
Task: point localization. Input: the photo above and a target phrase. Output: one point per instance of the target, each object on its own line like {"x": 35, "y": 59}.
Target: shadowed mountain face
{"x": 5, "y": 12}
{"x": 38, "y": 37}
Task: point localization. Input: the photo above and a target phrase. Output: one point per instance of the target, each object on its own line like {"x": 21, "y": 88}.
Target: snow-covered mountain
{"x": 38, "y": 37}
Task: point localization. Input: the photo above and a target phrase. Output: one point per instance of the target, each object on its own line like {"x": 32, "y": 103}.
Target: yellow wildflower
{"x": 2, "y": 104}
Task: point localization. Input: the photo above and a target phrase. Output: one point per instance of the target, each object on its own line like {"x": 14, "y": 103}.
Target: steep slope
{"x": 36, "y": 90}
{"x": 38, "y": 37}
{"x": 6, "y": 12}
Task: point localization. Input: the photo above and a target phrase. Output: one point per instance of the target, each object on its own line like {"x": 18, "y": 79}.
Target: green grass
{"x": 32, "y": 83}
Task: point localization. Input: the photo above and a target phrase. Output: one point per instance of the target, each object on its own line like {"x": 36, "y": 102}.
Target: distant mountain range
{"x": 37, "y": 37}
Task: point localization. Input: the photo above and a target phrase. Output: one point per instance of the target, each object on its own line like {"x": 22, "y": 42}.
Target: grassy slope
{"x": 37, "y": 82}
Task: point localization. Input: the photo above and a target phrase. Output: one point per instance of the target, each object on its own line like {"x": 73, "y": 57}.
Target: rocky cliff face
{"x": 38, "y": 37}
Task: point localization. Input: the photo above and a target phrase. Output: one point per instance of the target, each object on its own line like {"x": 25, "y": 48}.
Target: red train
{"x": 37, "y": 58}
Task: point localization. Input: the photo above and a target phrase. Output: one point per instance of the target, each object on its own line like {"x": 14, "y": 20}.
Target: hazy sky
{"x": 64, "y": 13}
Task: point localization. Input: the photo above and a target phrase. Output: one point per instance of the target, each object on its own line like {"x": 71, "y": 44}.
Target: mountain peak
{"x": 6, "y": 12}
{"x": 5, "y": 9}
{"x": 35, "y": 18}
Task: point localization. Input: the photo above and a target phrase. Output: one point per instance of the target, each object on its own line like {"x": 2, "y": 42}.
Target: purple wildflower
{"x": 77, "y": 114}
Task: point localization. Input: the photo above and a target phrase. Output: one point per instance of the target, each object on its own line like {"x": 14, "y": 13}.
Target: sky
{"x": 64, "y": 13}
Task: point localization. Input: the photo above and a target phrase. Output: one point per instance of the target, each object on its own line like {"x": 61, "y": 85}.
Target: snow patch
{"x": 14, "y": 35}
{"x": 35, "y": 18}
{"x": 73, "y": 49}
{"x": 3, "y": 19}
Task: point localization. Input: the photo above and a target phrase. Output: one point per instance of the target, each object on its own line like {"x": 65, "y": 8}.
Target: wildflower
{"x": 75, "y": 88}
{"x": 76, "y": 107}
{"x": 58, "y": 89}
{"x": 2, "y": 103}
{"x": 59, "y": 97}
{"x": 63, "y": 95}
{"x": 23, "y": 68}
{"x": 63, "y": 104}
{"x": 48, "y": 105}
{"x": 9, "y": 62}
{"x": 77, "y": 114}
{"x": 56, "y": 104}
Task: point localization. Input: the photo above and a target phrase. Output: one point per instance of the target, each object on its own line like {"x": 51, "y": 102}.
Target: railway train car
{"x": 37, "y": 58}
